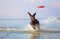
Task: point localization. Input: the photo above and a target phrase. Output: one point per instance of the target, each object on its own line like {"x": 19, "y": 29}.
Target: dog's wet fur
{"x": 34, "y": 22}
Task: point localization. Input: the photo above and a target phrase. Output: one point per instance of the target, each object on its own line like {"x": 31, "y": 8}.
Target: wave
{"x": 52, "y": 19}
{"x": 12, "y": 29}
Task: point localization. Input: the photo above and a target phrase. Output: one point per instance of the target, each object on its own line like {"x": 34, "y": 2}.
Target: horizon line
{"x": 23, "y": 19}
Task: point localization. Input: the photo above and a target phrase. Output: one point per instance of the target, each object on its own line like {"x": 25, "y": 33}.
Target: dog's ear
{"x": 29, "y": 13}
{"x": 34, "y": 14}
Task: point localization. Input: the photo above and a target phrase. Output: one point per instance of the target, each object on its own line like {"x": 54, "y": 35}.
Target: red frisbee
{"x": 40, "y": 6}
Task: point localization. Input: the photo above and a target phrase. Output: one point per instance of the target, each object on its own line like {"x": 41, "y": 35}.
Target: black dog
{"x": 34, "y": 22}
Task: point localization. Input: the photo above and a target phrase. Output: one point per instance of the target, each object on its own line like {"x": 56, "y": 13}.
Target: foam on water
{"x": 30, "y": 29}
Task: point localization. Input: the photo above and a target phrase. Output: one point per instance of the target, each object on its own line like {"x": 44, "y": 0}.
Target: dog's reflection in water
{"x": 35, "y": 36}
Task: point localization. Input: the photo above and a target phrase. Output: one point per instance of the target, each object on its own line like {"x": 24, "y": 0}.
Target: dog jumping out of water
{"x": 34, "y": 22}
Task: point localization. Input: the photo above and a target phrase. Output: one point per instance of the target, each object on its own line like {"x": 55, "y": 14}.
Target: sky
{"x": 17, "y": 9}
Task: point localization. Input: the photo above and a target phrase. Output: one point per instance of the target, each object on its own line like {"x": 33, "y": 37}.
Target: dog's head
{"x": 32, "y": 17}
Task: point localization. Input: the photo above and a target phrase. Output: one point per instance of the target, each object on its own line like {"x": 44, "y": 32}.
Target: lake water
{"x": 9, "y": 29}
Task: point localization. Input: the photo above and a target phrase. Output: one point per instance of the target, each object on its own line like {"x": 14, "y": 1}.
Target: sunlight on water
{"x": 27, "y": 35}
